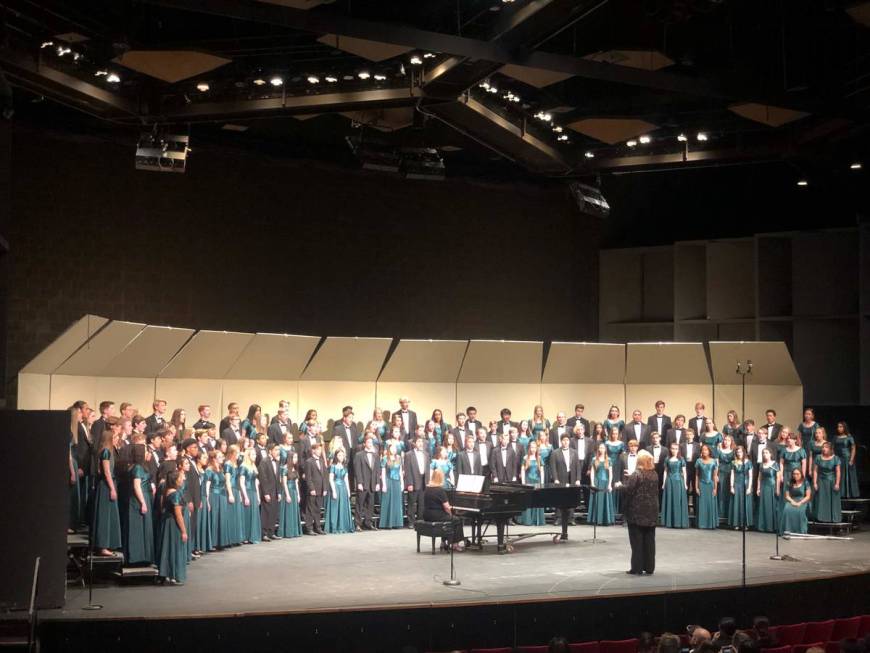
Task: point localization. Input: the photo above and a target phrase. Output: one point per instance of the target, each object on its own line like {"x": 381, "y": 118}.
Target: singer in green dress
{"x": 531, "y": 473}
{"x": 675, "y": 504}
{"x": 106, "y": 521}
{"x": 807, "y": 429}
{"x": 794, "y": 510}
{"x": 234, "y": 497}
{"x": 204, "y": 540}
{"x": 218, "y": 511}
{"x": 391, "y": 496}
{"x": 252, "y": 531}
{"x": 844, "y": 448}
{"x": 725, "y": 457}
{"x": 827, "y": 475}
{"x": 338, "y": 517}
{"x": 767, "y": 492}
{"x": 613, "y": 421}
{"x": 742, "y": 504}
{"x": 172, "y": 565}
{"x": 289, "y": 517}
{"x": 601, "y": 510}
{"x": 706, "y": 487}
{"x": 615, "y": 448}
{"x": 139, "y": 536}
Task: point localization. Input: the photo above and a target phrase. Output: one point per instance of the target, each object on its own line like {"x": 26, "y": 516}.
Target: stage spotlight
{"x": 429, "y": 55}
{"x": 331, "y": 79}
{"x": 259, "y": 81}
{"x": 363, "y": 74}
{"x": 202, "y": 87}
{"x": 631, "y": 143}
{"x": 644, "y": 140}
{"x": 61, "y": 50}
{"x": 276, "y": 81}
{"x": 803, "y": 182}
{"x": 855, "y": 166}
{"x": 46, "y": 44}
{"x": 113, "y": 78}
{"x": 415, "y": 60}
{"x": 589, "y": 155}
{"x": 682, "y": 138}
{"x": 562, "y": 137}
{"x": 101, "y": 73}
{"x": 162, "y": 152}
{"x": 380, "y": 78}
{"x": 557, "y": 129}
{"x": 313, "y": 79}
{"x": 702, "y": 136}
{"x": 589, "y": 199}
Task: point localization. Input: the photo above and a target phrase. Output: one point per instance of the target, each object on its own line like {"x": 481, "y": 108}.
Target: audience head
{"x": 558, "y": 644}
{"x": 646, "y": 642}
{"x": 698, "y": 636}
{"x": 669, "y": 643}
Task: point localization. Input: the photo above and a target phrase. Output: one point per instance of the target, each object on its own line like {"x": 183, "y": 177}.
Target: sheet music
{"x": 470, "y": 483}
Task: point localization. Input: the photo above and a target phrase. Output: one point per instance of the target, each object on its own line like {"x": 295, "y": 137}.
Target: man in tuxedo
{"x": 416, "y": 476}
{"x": 461, "y": 430}
{"x": 658, "y": 452}
{"x": 585, "y": 448}
{"x": 192, "y": 489}
{"x": 232, "y": 411}
{"x": 565, "y": 468}
{"x": 773, "y": 427}
{"x": 127, "y": 410}
{"x": 484, "y": 449}
{"x": 659, "y": 422}
{"x": 578, "y": 417}
{"x": 367, "y": 476}
{"x": 346, "y": 430}
{"x": 317, "y": 486}
{"x": 763, "y": 442}
{"x": 514, "y": 444}
{"x": 307, "y": 441}
{"x": 204, "y": 422}
{"x": 559, "y": 429}
{"x": 472, "y": 423}
{"x": 690, "y": 450}
{"x": 677, "y": 433}
{"x": 750, "y": 437}
{"x": 698, "y": 422}
{"x": 155, "y": 446}
{"x": 261, "y": 448}
{"x": 204, "y": 440}
{"x": 156, "y": 420}
{"x": 279, "y": 427}
{"x": 629, "y": 458}
{"x": 409, "y": 417}
{"x": 267, "y": 471}
{"x": 233, "y": 433}
{"x": 504, "y": 426}
{"x": 503, "y": 461}
{"x": 636, "y": 430}
{"x": 469, "y": 460}
{"x": 107, "y": 409}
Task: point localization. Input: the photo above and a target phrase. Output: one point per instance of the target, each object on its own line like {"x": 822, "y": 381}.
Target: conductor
{"x": 641, "y": 498}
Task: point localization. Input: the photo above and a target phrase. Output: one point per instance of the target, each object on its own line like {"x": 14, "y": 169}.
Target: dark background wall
{"x": 253, "y": 243}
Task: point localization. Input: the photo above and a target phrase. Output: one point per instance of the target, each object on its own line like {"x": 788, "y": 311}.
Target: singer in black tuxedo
{"x": 416, "y": 478}
{"x": 268, "y": 474}
{"x": 316, "y": 485}
{"x": 367, "y": 477}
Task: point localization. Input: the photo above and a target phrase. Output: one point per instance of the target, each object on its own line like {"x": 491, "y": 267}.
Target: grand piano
{"x": 501, "y": 502}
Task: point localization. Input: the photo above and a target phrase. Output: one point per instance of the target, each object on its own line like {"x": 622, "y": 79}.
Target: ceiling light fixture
{"x": 644, "y": 140}
{"x": 415, "y": 60}
{"x": 682, "y": 138}
{"x": 259, "y": 82}
{"x": 363, "y": 74}
{"x": 380, "y": 78}
{"x": 113, "y": 78}
{"x": 202, "y": 87}
{"x": 631, "y": 143}
{"x": 276, "y": 81}
{"x": 589, "y": 155}
{"x": 803, "y": 182}
{"x": 702, "y": 136}
{"x": 331, "y": 79}
{"x": 313, "y": 79}
{"x": 855, "y": 166}
{"x": 429, "y": 55}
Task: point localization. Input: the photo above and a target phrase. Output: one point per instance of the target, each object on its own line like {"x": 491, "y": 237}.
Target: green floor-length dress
{"x": 768, "y": 508}
{"x": 139, "y": 540}
{"x": 794, "y": 518}
{"x": 173, "y": 552}
{"x": 601, "y": 503}
{"x": 106, "y": 521}
{"x": 288, "y": 516}
{"x": 826, "y": 500}
{"x": 675, "y": 505}
{"x": 742, "y": 503}
{"x": 708, "y": 507}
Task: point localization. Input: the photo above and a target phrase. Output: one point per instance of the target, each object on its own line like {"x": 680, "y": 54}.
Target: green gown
{"x": 391, "y": 497}
{"x": 204, "y": 537}
{"x": 768, "y": 508}
{"x": 252, "y": 531}
{"x": 601, "y": 503}
{"x": 742, "y": 504}
{"x": 848, "y": 477}
{"x": 808, "y": 434}
{"x": 708, "y": 508}
{"x": 826, "y": 501}
{"x": 675, "y": 505}
{"x": 532, "y": 516}
{"x": 139, "y": 533}
{"x": 712, "y": 440}
{"x": 337, "y": 517}
{"x": 173, "y": 552}
{"x": 794, "y": 518}
{"x": 725, "y": 459}
{"x": 608, "y": 424}
{"x": 614, "y": 450}
{"x": 234, "y": 510}
{"x": 106, "y": 521}
{"x": 288, "y": 516}
{"x": 219, "y": 523}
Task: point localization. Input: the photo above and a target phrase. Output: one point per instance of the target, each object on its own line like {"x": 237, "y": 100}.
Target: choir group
{"x": 164, "y": 493}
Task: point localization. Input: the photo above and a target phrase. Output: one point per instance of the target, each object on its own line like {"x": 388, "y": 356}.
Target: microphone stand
{"x": 452, "y": 581}
{"x": 91, "y": 605}
{"x": 594, "y": 540}
{"x": 743, "y": 369}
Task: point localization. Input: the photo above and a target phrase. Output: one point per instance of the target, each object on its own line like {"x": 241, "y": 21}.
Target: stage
{"x": 303, "y": 580}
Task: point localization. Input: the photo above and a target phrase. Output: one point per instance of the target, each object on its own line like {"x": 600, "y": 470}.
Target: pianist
{"x": 436, "y": 507}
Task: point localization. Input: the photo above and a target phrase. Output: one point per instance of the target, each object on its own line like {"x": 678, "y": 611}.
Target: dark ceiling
{"x": 679, "y": 66}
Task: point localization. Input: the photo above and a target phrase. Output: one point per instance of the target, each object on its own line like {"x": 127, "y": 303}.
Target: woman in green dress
{"x": 826, "y": 486}
{"x": 792, "y": 457}
{"x": 204, "y": 541}
{"x": 251, "y": 423}
{"x": 139, "y": 527}
{"x": 172, "y": 564}
{"x": 711, "y": 437}
{"x": 675, "y": 505}
{"x": 724, "y": 454}
{"x": 814, "y": 447}
{"x": 249, "y": 487}
{"x": 532, "y": 473}
{"x": 234, "y": 503}
{"x": 844, "y": 448}
{"x": 615, "y": 448}
{"x": 106, "y": 520}
{"x": 794, "y": 510}
{"x": 612, "y": 421}
{"x": 538, "y": 423}
{"x": 218, "y": 509}
{"x": 806, "y": 430}
{"x": 289, "y": 522}
{"x": 767, "y": 491}
{"x": 441, "y": 461}
{"x": 732, "y": 427}
{"x": 392, "y": 477}
{"x": 524, "y": 437}
{"x": 441, "y": 427}
{"x": 598, "y": 432}
{"x": 544, "y": 451}
{"x": 338, "y": 518}
{"x": 601, "y": 510}
{"x": 742, "y": 505}
{"x": 707, "y": 487}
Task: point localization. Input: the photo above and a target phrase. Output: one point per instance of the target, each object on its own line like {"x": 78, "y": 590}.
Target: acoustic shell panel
{"x": 273, "y": 357}
{"x": 50, "y": 358}
{"x": 207, "y": 355}
{"x": 348, "y": 359}
{"x": 148, "y": 353}
{"x": 92, "y": 357}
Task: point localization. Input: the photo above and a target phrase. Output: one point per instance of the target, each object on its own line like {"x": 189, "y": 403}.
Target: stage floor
{"x": 383, "y": 570}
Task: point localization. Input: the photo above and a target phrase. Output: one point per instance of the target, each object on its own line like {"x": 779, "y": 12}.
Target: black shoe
{"x": 634, "y": 573}
{"x": 266, "y": 538}
{"x": 648, "y": 573}
{"x": 310, "y": 532}
{"x": 276, "y": 537}
{"x": 320, "y": 532}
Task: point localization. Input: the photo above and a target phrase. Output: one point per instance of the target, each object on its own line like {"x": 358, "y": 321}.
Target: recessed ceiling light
{"x": 415, "y": 60}
{"x": 113, "y": 78}
{"x": 276, "y": 81}
{"x": 331, "y": 79}
{"x": 313, "y": 79}
{"x": 682, "y": 138}
{"x": 803, "y": 182}
{"x": 855, "y": 166}
{"x": 631, "y": 143}
{"x": 259, "y": 82}
{"x": 380, "y": 78}
{"x": 202, "y": 87}
{"x": 644, "y": 140}
{"x": 363, "y": 74}
{"x": 702, "y": 136}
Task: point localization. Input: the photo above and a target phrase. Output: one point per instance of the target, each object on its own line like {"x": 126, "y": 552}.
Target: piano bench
{"x": 433, "y": 529}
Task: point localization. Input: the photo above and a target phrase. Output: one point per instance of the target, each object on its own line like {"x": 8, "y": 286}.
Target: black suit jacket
{"x": 692, "y": 423}
{"x": 485, "y": 454}
{"x": 192, "y": 490}
{"x": 558, "y": 472}
{"x": 572, "y": 422}
{"x": 652, "y": 422}
{"x": 97, "y": 429}
{"x": 262, "y": 452}
{"x": 202, "y": 425}
{"x": 338, "y": 431}
{"x": 769, "y": 444}
{"x": 369, "y": 476}
{"x": 268, "y": 477}
{"x": 500, "y": 426}
{"x": 629, "y": 434}
{"x": 412, "y": 424}
{"x": 459, "y": 437}
{"x": 690, "y": 464}
{"x": 772, "y": 431}
{"x": 84, "y": 450}
{"x": 225, "y": 424}
{"x": 275, "y": 434}
{"x": 474, "y": 425}
{"x": 663, "y": 456}
{"x": 414, "y": 476}
{"x": 229, "y": 436}
{"x": 588, "y": 446}
{"x": 152, "y": 423}
{"x": 503, "y": 473}
{"x": 316, "y": 479}
{"x": 556, "y": 439}
{"x": 464, "y": 466}
{"x": 671, "y": 436}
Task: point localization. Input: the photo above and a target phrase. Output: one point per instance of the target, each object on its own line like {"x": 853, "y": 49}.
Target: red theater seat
{"x": 584, "y": 647}
{"x": 791, "y": 635}
{"x": 819, "y": 631}
{"x": 500, "y": 649}
{"x": 864, "y": 629}
{"x": 778, "y": 649}
{"x": 803, "y": 648}
{"x": 845, "y": 628}
{"x": 533, "y": 649}
{"x": 618, "y": 646}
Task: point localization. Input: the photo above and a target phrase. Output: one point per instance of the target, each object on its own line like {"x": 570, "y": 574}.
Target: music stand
{"x": 594, "y": 539}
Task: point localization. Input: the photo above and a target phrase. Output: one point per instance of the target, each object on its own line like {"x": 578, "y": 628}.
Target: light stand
{"x": 91, "y": 605}
{"x": 743, "y": 369}
{"x": 453, "y": 581}
{"x": 594, "y": 540}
